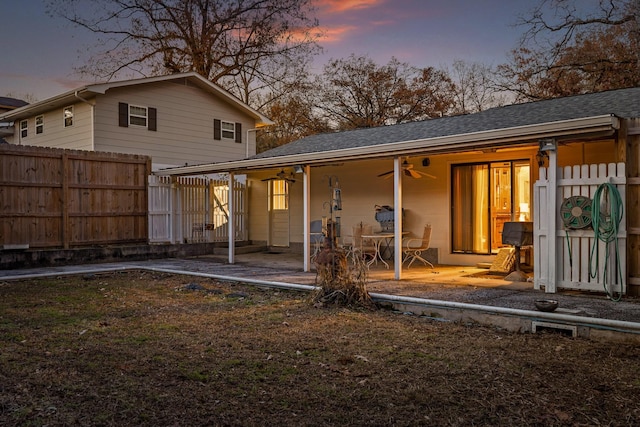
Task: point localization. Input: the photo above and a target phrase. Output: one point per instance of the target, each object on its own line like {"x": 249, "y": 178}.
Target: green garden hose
{"x": 605, "y": 228}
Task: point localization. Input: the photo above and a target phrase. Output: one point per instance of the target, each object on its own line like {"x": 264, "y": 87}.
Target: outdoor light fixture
{"x": 548, "y": 144}
{"x": 542, "y": 158}
{"x": 298, "y": 168}
{"x": 426, "y": 162}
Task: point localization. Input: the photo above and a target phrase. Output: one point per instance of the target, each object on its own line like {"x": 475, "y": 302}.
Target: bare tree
{"x": 356, "y": 92}
{"x": 572, "y": 47}
{"x": 295, "y": 117}
{"x": 475, "y": 88}
{"x": 240, "y": 44}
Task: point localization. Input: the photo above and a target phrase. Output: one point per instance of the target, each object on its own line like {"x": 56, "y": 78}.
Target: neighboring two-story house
{"x": 180, "y": 119}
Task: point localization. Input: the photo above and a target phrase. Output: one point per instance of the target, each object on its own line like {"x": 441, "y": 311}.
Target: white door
{"x": 279, "y": 213}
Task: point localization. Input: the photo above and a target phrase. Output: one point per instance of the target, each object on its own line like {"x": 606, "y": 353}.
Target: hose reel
{"x": 575, "y": 212}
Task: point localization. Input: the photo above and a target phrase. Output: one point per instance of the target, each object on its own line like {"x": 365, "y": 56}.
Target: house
{"x": 8, "y": 104}
{"x": 483, "y": 169}
{"x": 179, "y": 119}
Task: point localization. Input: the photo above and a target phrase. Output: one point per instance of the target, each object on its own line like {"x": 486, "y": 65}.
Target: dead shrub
{"x": 341, "y": 282}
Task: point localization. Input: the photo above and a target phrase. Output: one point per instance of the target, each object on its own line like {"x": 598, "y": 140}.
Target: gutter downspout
{"x": 93, "y": 105}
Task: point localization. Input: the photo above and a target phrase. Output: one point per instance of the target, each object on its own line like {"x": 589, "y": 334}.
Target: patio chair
{"x": 360, "y": 246}
{"x": 414, "y": 247}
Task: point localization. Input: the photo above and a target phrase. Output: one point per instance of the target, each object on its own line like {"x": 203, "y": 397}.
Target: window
{"x": 137, "y": 116}
{"x": 67, "y": 114}
{"x": 39, "y": 124}
{"x": 24, "y": 127}
{"x": 227, "y": 130}
{"x": 280, "y": 194}
{"x": 484, "y": 196}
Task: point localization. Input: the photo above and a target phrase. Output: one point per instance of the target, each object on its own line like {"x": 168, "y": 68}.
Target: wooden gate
{"x": 194, "y": 210}
{"x": 581, "y": 260}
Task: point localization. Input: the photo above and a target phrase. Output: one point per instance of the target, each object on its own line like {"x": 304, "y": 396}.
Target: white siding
{"x": 425, "y": 200}
{"x": 185, "y": 125}
{"x": 76, "y": 137}
{"x": 258, "y": 197}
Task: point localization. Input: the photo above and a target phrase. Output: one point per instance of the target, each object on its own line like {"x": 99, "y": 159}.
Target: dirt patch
{"x": 140, "y": 348}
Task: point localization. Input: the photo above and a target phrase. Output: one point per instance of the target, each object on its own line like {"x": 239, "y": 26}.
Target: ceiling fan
{"x": 282, "y": 175}
{"x": 408, "y": 170}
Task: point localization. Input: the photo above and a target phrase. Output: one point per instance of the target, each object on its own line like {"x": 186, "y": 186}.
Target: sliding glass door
{"x": 485, "y": 196}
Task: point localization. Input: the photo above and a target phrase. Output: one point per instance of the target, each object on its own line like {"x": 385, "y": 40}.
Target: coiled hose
{"x": 606, "y": 212}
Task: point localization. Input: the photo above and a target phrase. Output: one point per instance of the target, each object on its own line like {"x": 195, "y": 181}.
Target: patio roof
{"x": 572, "y": 117}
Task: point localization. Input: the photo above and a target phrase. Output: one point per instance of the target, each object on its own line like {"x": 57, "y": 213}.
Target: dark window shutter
{"x": 153, "y": 119}
{"x": 123, "y": 114}
{"x": 238, "y": 132}
{"x": 217, "y": 131}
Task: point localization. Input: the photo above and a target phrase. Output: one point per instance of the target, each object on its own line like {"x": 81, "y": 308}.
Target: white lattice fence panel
{"x": 194, "y": 210}
{"x": 160, "y": 210}
{"x": 579, "y": 264}
{"x": 193, "y": 196}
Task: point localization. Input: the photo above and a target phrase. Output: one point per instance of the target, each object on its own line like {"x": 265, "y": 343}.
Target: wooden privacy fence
{"x": 194, "y": 210}
{"x": 581, "y": 261}
{"x": 53, "y": 198}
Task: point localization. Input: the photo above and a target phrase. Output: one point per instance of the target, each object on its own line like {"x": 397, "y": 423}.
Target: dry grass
{"x": 156, "y": 350}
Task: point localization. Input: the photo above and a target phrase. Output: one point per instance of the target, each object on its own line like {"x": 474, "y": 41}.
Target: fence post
{"x": 66, "y": 238}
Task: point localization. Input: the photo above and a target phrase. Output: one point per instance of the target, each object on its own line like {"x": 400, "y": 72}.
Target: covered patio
{"x": 480, "y": 171}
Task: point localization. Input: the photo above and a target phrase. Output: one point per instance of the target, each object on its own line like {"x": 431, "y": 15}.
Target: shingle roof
{"x": 7, "y": 102}
{"x": 623, "y": 103}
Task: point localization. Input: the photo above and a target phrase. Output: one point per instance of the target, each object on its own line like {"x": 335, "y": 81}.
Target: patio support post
{"x": 306, "y": 220}
{"x": 552, "y": 194}
{"x": 231, "y": 221}
{"x": 397, "y": 217}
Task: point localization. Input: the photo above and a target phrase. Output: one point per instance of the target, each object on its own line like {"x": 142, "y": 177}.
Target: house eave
{"x": 458, "y": 143}
{"x": 90, "y": 91}
{"x": 45, "y": 105}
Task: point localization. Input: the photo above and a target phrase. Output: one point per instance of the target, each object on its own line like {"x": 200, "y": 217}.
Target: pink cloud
{"x": 335, "y": 34}
{"x": 346, "y": 5}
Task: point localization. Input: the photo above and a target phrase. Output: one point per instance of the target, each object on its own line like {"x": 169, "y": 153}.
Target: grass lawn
{"x": 149, "y": 349}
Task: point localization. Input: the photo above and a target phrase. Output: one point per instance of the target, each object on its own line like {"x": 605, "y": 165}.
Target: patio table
{"x": 382, "y": 244}
{"x": 378, "y": 238}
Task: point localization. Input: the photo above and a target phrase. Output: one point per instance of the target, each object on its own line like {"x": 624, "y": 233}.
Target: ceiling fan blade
{"x": 413, "y": 174}
{"x": 428, "y": 175}
{"x": 385, "y": 173}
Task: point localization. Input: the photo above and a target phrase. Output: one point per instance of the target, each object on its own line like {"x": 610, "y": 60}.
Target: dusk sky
{"x": 41, "y": 52}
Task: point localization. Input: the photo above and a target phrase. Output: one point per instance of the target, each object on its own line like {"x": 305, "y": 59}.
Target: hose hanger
{"x": 575, "y": 212}
{"x": 607, "y": 216}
